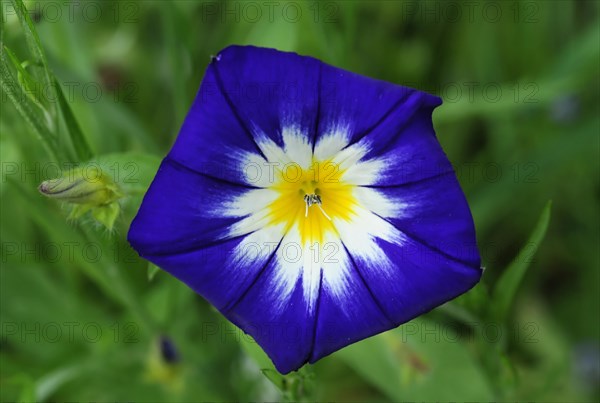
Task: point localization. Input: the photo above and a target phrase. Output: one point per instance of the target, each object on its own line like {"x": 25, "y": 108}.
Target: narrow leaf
{"x": 26, "y": 108}
{"x": 507, "y": 285}
{"x": 28, "y": 83}
{"x": 33, "y": 40}
{"x": 80, "y": 144}
{"x": 51, "y": 382}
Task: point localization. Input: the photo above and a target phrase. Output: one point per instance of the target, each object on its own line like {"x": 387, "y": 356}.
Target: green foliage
{"x": 82, "y": 148}
{"x": 41, "y": 89}
{"x": 152, "y": 270}
{"x": 296, "y": 386}
{"x": 518, "y": 335}
{"x": 508, "y": 284}
{"x": 412, "y": 363}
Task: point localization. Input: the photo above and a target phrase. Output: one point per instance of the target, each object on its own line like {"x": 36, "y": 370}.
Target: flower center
{"x": 311, "y": 199}
{"x": 314, "y": 199}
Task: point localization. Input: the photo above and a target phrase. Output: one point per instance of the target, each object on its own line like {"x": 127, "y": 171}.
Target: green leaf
{"x": 51, "y": 87}
{"x": 27, "y": 108}
{"x": 33, "y": 41}
{"x": 376, "y": 362}
{"x": 80, "y": 143}
{"x": 152, "y": 270}
{"x": 506, "y": 287}
{"x": 54, "y": 380}
{"x": 420, "y": 361}
{"x": 107, "y": 215}
{"x": 43, "y": 124}
{"x": 31, "y": 86}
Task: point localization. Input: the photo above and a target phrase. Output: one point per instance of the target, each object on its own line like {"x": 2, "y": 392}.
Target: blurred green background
{"x": 83, "y": 318}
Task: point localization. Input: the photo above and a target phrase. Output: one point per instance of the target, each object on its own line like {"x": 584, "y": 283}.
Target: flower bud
{"x": 87, "y": 189}
{"x": 82, "y": 186}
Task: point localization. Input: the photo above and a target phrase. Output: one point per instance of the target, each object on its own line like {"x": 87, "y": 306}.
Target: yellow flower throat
{"x": 311, "y": 199}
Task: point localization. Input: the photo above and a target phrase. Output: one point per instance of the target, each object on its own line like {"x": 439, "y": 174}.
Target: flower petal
{"x": 408, "y": 152}
{"x": 268, "y": 90}
{"x": 213, "y": 139}
{"x": 364, "y": 105}
{"x": 181, "y": 211}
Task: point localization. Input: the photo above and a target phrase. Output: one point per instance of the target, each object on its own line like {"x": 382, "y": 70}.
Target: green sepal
{"x": 107, "y": 214}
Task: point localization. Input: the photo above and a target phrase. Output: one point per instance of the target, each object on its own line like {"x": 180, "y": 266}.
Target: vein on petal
{"x": 316, "y": 321}
{"x": 217, "y": 179}
{"x": 362, "y": 279}
{"x": 415, "y": 182}
{"x": 396, "y": 105}
{"x": 197, "y": 248}
{"x": 428, "y": 246}
{"x": 318, "y": 117}
{"x": 231, "y": 306}
{"x": 233, "y": 108}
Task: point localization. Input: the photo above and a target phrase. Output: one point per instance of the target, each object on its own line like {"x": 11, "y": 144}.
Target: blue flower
{"x": 312, "y": 206}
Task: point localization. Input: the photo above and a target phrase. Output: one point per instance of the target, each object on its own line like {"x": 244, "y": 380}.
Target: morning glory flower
{"x": 313, "y": 207}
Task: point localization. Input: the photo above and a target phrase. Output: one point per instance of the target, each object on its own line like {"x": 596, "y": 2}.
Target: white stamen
{"x": 314, "y": 199}
{"x": 323, "y": 211}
